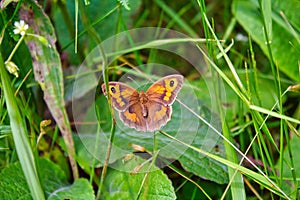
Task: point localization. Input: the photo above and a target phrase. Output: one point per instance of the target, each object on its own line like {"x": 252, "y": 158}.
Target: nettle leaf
{"x": 80, "y": 189}
{"x": 120, "y": 183}
{"x": 13, "y": 183}
{"x": 203, "y": 166}
{"x": 284, "y": 43}
{"x": 52, "y": 176}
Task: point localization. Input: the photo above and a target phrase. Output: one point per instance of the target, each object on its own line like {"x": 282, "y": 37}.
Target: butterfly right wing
{"x": 122, "y": 95}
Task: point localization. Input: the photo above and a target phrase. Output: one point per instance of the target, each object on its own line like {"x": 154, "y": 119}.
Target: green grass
{"x": 234, "y": 131}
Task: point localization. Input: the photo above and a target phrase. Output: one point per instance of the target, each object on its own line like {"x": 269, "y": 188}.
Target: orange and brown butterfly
{"x": 145, "y": 111}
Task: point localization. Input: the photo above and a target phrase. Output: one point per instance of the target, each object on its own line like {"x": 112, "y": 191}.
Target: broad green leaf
{"x": 13, "y": 183}
{"x": 85, "y": 159}
{"x": 205, "y": 167}
{"x": 47, "y": 70}
{"x": 79, "y": 190}
{"x": 120, "y": 183}
{"x": 57, "y": 187}
{"x": 52, "y": 176}
{"x": 266, "y": 9}
{"x": 86, "y": 84}
{"x": 284, "y": 43}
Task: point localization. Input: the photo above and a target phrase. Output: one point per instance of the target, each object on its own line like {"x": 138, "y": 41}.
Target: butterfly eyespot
{"x": 113, "y": 89}
{"x": 172, "y": 83}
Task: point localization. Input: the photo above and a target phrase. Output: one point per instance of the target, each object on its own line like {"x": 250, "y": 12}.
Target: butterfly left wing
{"x": 122, "y": 95}
{"x": 165, "y": 89}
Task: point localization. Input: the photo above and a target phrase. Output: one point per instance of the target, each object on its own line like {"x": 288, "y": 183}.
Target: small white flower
{"x": 21, "y": 27}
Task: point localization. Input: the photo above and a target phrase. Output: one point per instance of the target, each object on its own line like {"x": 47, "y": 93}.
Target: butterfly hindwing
{"x": 133, "y": 117}
{"x": 159, "y": 115}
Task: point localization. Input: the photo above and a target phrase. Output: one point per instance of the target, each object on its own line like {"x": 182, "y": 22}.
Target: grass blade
{"x": 19, "y": 133}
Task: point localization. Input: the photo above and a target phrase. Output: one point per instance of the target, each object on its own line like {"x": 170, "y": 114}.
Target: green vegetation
{"x": 234, "y": 129}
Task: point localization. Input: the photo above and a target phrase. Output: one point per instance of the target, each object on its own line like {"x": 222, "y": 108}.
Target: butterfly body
{"x": 145, "y": 111}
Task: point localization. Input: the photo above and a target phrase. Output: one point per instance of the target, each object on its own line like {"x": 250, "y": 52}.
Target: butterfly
{"x": 145, "y": 111}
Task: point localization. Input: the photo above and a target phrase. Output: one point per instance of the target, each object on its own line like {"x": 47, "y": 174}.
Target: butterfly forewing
{"x": 121, "y": 94}
{"x": 165, "y": 89}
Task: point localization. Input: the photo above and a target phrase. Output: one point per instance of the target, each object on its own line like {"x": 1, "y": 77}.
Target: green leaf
{"x": 79, "y": 190}
{"x": 85, "y": 158}
{"x": 52, "y": 176}
{"x": 121, "y": 184}
{"x": 13, "y": 183}
{"x": 206, "y": 167}
{"x": 84, "y": 85}
{"x": 48, "y": 71}
{"x": 266, "y": 9}
{"x": 57, "y": 187}
{"x": 284, "y": 45}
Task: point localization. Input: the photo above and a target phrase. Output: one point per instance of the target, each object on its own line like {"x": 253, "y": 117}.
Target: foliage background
{"x": 255, "y": 52}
